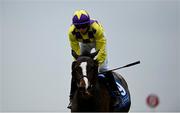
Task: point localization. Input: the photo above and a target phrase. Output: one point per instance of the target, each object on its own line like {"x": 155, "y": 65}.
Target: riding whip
{"x": 128, "y": 65}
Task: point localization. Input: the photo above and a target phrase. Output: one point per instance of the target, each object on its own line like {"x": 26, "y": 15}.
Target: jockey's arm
{"x": 74, "y": 43}
{"x": 100, "y": 44}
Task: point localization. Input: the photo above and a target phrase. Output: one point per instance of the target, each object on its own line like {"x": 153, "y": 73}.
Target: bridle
{"x": 81, "y": 78}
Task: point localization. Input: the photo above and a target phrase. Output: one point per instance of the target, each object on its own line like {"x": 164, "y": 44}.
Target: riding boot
{"x": 113, "y": 87}
{"x": 72, "y": 91}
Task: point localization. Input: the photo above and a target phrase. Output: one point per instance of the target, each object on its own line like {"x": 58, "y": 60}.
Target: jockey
{"x": 85, "y": 34}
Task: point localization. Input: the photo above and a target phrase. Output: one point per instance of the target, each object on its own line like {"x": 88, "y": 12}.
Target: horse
{"x": 92, "y": 94}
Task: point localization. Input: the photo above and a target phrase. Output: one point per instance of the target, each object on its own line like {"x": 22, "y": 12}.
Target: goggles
{"x": 83, "y": 26}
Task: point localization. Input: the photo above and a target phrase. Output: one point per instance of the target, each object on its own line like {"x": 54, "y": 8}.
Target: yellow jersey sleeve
{"x": 100, "y": 42}
{"x": 73, "y": 42}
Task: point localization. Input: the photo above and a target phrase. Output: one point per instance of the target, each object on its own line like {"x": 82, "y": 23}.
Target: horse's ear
{"x": 74, "y": 54}
{"x": 93, "y": 55}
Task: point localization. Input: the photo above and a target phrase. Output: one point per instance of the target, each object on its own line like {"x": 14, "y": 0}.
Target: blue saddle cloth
{"x": 124, "y": 97}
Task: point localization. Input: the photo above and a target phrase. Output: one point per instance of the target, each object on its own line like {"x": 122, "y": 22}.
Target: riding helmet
{"x": 81, "y": 17}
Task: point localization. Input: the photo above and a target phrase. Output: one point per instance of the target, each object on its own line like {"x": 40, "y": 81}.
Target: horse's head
{"x": 84, "y": 71}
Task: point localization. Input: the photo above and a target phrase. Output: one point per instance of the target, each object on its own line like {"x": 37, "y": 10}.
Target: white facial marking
{"x": 86, "y": 82}
{"x": 83, "y": 66}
